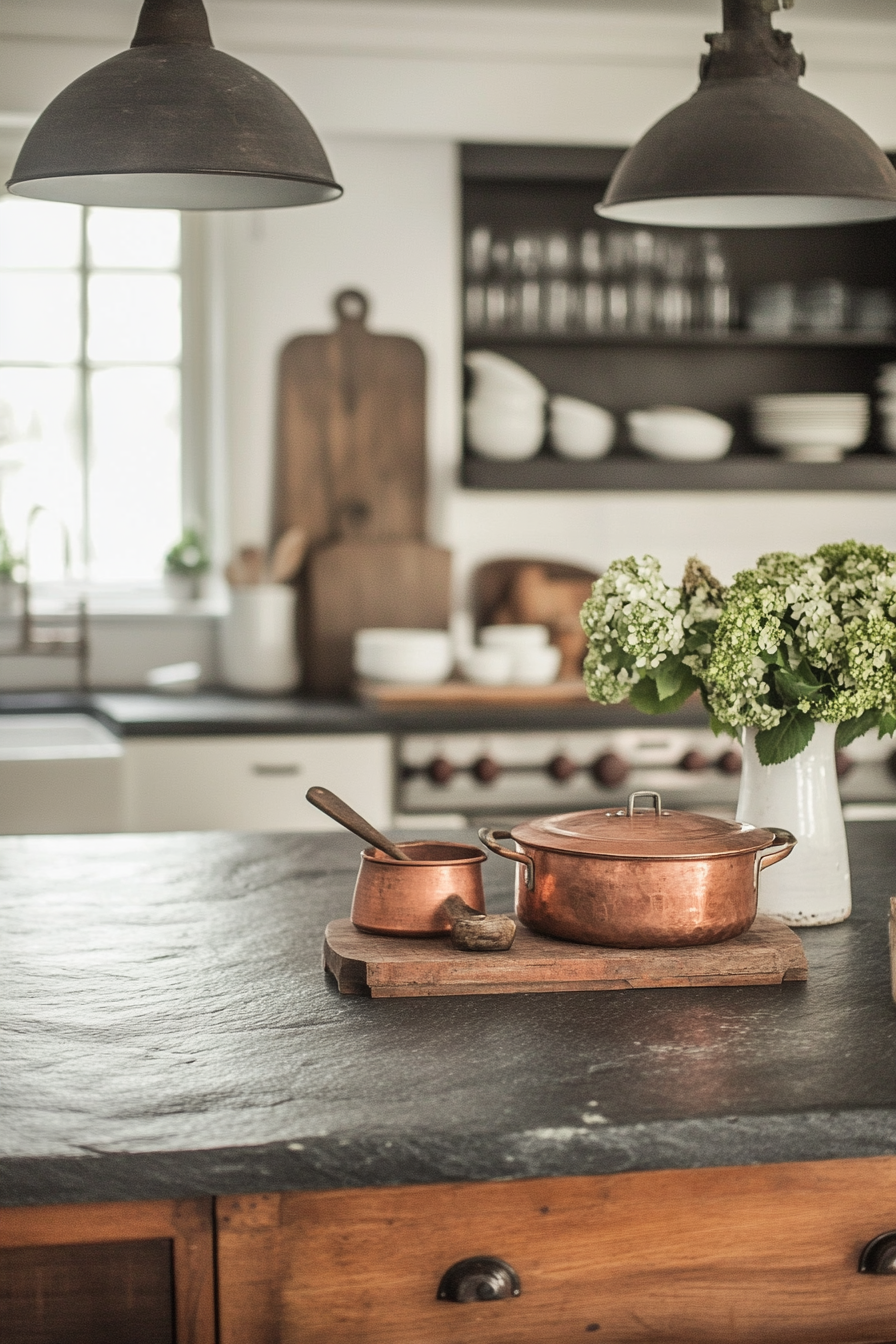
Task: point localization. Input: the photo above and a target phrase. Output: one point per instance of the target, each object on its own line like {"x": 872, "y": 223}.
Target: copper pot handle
{"x": 490, "y": 837}
{"x": 785, "y": 840}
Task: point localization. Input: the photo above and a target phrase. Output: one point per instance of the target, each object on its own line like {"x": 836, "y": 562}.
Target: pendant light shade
{"x": 175, "y": 124}
{"x": 751, "y": 149}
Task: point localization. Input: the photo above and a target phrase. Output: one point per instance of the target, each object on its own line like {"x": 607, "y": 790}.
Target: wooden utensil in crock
{"x": 631, "y": 878}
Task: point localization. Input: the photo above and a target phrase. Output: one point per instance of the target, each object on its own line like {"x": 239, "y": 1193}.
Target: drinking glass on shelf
{"x": 873, "y": 310}
{"x": 524, "y": 307}
{"x": 591, "y": 253}
{"x": 618, "y": 252}
{"x": 771, "y": 309}
{"x": 821, "y": 306}
{"x": 716, "y": 309}
{"x": 617, "y": 306}
{"x": 674, "y": 307}
{"x": 558, "y": 299}
{"x": 478, "y": 252}
{"x": 641, "y": 299}
{"x": 526, "y": 255}
{"x": 474, "y": 307}
{"x": 593, "y": 306}
{"x": 495, "y": 307}
{"x": 558, "y": 253}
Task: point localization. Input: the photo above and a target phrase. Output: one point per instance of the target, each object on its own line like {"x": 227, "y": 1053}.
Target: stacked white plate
{"x": 505, "y": 414}
{"x": 812, "y": 427}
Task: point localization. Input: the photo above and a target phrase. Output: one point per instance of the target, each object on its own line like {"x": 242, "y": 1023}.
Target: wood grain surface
{"x": 355, "y": 585}
{"x": 758, "y": 1255}
{"x": 185, "y": 1223}
{"x": 351, "y": 437}
{"x": 394, "y": 968}
{"x": 463, "y": 694}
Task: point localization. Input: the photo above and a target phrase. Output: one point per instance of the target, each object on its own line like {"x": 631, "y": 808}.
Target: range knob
{"x": 843, "y": 764}
{"x": 692, "y": 761}
{"x": 440, "y": 770}
{"x": 486, "y": 770}
{"x": 561, "y": 768}
{"x": 730, "y": 762}
{"x": 610, "y": 770}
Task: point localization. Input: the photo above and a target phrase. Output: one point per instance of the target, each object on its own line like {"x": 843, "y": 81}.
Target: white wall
{"x": 391, "y": 88}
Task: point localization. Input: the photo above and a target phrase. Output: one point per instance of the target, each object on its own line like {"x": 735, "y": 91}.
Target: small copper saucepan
{"x": 624, "y": 877}
{"x": 406, "y": 898}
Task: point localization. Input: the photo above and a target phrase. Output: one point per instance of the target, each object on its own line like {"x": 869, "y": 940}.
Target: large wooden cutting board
{"x": 353, "y": 585}
{"x": 351, "y": 435}
{"x": 402, "y": 968}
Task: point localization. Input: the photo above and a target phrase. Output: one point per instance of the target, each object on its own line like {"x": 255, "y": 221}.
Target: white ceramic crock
{"x": 802, "y": 795}
{"x": 258, "y": 641}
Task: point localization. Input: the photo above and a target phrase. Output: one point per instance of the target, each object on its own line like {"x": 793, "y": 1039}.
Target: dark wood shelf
{"x": 716, "y": 339}
{"x": 864, "y": 471}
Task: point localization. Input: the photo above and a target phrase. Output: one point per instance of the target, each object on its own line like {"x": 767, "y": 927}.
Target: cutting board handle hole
{"x": 351, "y": 305}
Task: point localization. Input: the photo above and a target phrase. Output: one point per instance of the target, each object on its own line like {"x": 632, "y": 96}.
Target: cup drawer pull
{"x": 274, "y": 770}
{"x": 483, "y": 1278}
{"x": 879, "y": 1256}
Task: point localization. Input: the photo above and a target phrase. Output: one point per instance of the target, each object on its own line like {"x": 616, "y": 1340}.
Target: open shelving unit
{"x": 517, "y": 188}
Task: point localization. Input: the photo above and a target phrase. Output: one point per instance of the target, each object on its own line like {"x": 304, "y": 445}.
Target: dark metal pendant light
{"x": 173, "y": 123}
{"x": 751, "y": 149}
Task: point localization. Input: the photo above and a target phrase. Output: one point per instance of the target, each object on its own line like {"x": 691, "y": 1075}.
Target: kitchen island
{"x": 170, "y": 1042}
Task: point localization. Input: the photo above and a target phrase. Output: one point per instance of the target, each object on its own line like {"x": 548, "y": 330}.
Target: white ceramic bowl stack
{"x": 812, "y": 427}
{"x": 886, "y": 405}
{"x": 505, "y": 414}
{"x": 405, "y": 657}
{"x": 512, "y": 655}
{"x": 580, "y": 430}
{"x": 680, "y": 434}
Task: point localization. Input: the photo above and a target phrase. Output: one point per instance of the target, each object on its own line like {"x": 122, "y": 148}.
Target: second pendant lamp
{"x": 751, "y": 149}
{"x": 175, "y": 124}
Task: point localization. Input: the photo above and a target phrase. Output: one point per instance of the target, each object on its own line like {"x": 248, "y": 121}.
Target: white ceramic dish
{"x": 680, "y": 434}
{"x": 514, "y": 637}
{"x": 407, "y": 657}
{"x": 535, "y": 667}
{"x": 580, "y": 430}
{"x": 488, "y": 667}
{"x": 504, "y": 437}
{"x": 501, "y": 374}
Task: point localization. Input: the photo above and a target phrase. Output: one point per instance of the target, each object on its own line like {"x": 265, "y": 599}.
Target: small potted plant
{"x": 795, "y": 659}
{"x": 185, "y": 566}
{"x": 11, "y": 570}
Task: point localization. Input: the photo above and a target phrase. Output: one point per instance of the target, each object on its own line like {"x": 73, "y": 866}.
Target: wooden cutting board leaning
{"x": 351, "y": 471}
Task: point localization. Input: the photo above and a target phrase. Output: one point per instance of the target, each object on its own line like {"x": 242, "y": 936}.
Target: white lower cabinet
{"x": 253, "y": 783}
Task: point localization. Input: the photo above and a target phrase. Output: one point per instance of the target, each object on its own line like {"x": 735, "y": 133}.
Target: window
{"x": 90, "y": 385}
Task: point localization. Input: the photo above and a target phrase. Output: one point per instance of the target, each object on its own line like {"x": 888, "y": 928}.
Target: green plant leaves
{"x": 795, "y": 686}
{"x": 646, "y": 694}
{"x": 850, "y": 729}
{"x": 793, "y": 733}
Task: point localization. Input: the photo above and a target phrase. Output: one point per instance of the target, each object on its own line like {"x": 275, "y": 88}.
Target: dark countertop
{"x": 226, "y": 713}
{"x": 167, "y": 1031}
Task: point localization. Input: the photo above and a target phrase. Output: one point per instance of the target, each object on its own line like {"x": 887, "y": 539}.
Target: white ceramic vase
{"x": 811, "y": 886}
{"x": 258, "y": 639}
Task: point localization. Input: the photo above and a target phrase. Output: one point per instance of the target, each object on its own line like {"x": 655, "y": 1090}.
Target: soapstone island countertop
{"x": 227, "y": 713}
{"x": 166, "y": 1030}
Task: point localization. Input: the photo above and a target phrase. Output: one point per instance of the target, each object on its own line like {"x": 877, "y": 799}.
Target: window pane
{"x": 40, "y": 461}
{"x": 40, "y": 234}
{"x": 133, "y": 318}
{"x": 134, "y": 239}
{"x": 40, "y": 317}
{"x": 134, "y": 471}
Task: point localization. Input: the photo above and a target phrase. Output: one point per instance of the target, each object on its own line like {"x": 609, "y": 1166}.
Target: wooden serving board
{"x": 407, "y": 968}
{"x": 463, "y": 694}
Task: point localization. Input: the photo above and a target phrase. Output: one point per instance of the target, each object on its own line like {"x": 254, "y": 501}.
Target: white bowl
{"x": 488, "y": 667}
{"x": 536, "y": 667}
{"x": 580, "y": 430}
{"x": 409, "y": 657}
{"x": 514, "y": 637}
{"x": 498, "y": 372}
{"x": 504, "y": 437}
{"x": 680, "y": 433}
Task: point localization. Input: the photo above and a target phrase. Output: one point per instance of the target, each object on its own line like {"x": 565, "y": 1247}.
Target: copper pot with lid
{"x": 637, "y": 878}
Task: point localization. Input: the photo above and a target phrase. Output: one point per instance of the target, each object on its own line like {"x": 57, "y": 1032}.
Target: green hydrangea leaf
{"x": 793, "y": 733}
{"x": 722, "y": 729}
{"x": 850, "y": 729}
{"x": 887, "y": 725}
{"x": 669, "y": 676}
{"x": 796, "y": 686}
{"x": 645, "y": 696}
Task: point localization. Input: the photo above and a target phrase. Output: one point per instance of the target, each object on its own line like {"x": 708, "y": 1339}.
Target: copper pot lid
{"x": 636, "y": 833}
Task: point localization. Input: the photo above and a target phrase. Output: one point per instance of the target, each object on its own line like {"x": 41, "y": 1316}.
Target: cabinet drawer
{"x": 253, "y": 783}
{"x": 758, "y": 1254}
